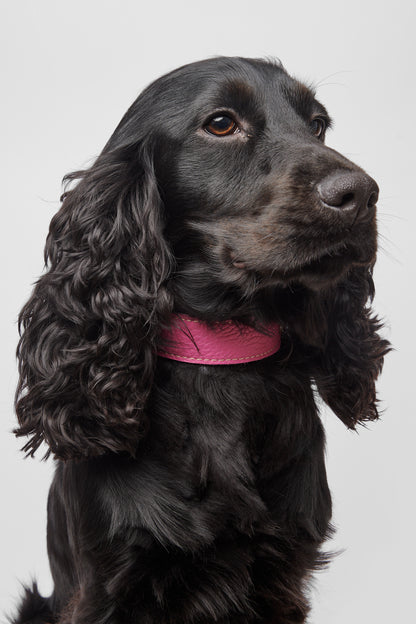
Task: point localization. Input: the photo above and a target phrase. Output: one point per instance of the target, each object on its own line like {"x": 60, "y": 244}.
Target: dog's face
{"x": 252, "y": 193}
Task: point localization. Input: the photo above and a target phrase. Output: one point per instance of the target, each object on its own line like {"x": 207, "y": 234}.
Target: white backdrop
{"x": 71, "y": 69}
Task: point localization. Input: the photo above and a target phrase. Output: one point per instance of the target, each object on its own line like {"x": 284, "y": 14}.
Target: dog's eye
{"x": 221, "y": 125}
{"x": 318, "y": 127}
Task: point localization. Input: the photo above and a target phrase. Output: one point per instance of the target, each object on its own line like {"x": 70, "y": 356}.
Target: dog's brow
{"x": 234, "y": 94}
{"x": 301, "y": 96}
{"x": 238, "y": 94}
{"x": 320, "y": 109}
{"x": 303, "y": 100}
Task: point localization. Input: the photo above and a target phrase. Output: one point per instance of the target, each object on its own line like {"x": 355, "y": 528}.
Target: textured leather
{"x": 193, "y": 341}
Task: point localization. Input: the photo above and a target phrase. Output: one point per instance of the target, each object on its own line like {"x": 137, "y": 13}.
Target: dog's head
{"x": 215, "y": 196}
{"x": 248, "y": 181}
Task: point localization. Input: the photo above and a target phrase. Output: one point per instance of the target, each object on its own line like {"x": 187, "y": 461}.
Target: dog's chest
{"x": 198, "y": 474}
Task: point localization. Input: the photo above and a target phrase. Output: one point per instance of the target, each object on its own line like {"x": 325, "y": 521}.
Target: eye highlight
{"x": 221, "y": 125}
{"x": 318, "y": 125}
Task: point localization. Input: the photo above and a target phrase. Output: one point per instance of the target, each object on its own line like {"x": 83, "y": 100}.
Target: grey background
{"x": 70, "y": 70}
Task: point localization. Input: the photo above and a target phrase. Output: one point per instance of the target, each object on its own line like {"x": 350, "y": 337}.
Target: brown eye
{"x": 221, "y": 125}
{"x": 318, "y": 127}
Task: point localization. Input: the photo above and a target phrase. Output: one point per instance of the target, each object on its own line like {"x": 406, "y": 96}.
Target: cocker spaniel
{"x": 208, "y": 275}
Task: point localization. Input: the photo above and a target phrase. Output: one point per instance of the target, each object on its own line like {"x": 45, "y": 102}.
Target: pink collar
{"x": 194, "y": 341}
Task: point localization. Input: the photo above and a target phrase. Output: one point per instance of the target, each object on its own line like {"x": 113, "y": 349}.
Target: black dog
{"x": 186, "y": 492}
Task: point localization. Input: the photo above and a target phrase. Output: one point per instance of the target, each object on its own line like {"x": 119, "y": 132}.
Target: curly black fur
{"x": 187, "y": 493}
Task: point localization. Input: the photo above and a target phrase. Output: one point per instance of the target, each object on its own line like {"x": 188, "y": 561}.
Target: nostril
{"x": 373, "y": 199}
{"x": 346, "y": 199}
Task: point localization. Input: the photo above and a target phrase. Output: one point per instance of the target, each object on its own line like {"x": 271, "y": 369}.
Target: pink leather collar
{"x": 193, "y": 341}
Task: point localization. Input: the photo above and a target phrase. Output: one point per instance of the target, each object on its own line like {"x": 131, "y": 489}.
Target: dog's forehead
{"x": 272, "y": 92}
{"x": 248, "y": 86}
{"x": 258, "y": 90}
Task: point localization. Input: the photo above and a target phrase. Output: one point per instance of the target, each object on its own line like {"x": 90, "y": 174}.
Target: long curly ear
{"x": 88, "y": 333}
{"x": 336, "y": 335}
{"x": 351, "y": 356}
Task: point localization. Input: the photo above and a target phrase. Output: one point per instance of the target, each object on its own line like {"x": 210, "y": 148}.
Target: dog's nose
{"x": 352, "y": 191}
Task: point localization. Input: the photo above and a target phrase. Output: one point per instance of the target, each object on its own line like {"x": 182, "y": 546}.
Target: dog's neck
{"x": 191, "y": 340}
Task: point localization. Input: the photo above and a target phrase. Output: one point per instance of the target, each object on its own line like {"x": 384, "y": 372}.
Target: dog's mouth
{"x": 329, "y": 268}
{"x": 321, "y": 270}
{"x": 236, "y": 262}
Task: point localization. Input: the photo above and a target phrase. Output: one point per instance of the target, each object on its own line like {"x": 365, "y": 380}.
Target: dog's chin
{"x": 321, "y": 279}
{"x": 317, "y": 274}
{"x": 329, "y": 270}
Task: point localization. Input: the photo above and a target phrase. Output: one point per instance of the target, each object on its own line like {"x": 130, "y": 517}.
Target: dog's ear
{"x": 87, "y": 350}
{"x": 342, "y": 340}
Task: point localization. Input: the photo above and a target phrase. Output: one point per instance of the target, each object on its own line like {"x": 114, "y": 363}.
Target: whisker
{"x": 392, "y": 215}
{"x": 342, "y": 71}
{"x": 384, "y": 248}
